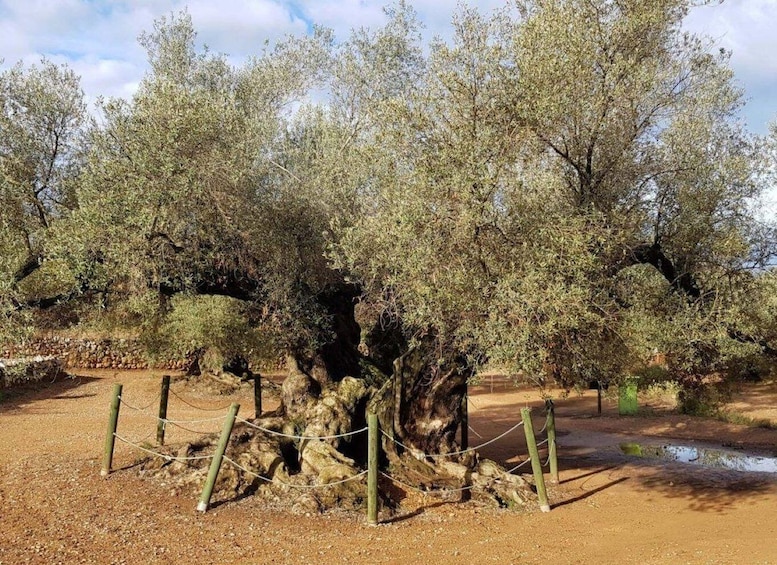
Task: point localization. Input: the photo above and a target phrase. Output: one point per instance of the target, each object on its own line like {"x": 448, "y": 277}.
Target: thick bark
{"x": 742, "y": 337}
{"x": 427, "y": 402}
{"x": 426, "y": 407}
{"x": 339, "y": 357}
{"x": 31, "y": 264}
{"x": 654, "y": 255}
{"x": 284, "y": 463}
{"x": 419, "y": 408}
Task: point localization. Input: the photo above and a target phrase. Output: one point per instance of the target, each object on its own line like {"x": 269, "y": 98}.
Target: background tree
{"x": 185, "y": 191}
{"x": 572, "y": 191}
{"x": 42, "y": 120}
{"x": 642, "y": 121}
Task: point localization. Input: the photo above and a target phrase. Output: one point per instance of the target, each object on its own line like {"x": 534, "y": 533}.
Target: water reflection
{"x": 703, "y": 456}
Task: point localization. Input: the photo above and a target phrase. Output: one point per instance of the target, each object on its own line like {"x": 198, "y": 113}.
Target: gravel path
{"x": 54, "y": 507}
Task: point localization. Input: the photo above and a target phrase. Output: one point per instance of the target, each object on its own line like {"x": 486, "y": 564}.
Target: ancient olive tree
{"x": 562, "y": 190}
{"x": 205, "y": 184}
{"x": 569, "y": 191}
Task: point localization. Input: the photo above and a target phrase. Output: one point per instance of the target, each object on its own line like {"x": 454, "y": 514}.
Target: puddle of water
{"x": 703, "y": 456}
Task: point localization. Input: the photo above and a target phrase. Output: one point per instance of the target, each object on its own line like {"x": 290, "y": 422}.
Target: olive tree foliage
{"x": 42, "y": 121}
{"x": 462, "y": 243}
{"x": 642, "y": 120}
{"x": 570, "y": 190}
{"x": 185, "y": 190}
{"x": 563, "y": 189}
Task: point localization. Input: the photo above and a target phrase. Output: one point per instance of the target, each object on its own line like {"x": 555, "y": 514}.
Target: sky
{"x": 98, "y": 38}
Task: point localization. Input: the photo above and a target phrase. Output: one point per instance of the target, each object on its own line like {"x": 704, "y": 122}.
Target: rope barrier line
{"x": 143, "y": 409}
{"x": 519, "y": 465}
{"x": 118, "y": 398}
{"x": 462, "y": 452}
{"x": 177, "y": 425}
{"x": 162, "y": 455}
{"x": 281, "y": 434}
{"x": 425, "y": 492}
{"x": 176, "y": 422}
{"x": 290, "y": 485}
{"x": 445, "y": 491}
{"x": 137, "y": 441}
{"x": 198, "y": 407}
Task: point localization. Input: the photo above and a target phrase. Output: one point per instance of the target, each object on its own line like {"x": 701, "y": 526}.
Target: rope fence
{"x": 164, "y": 456}
{"x": 373, "y": 432}
{"x": 521, "y": 464}
{"x": 440, "y": 491}
{"x": 300, "y": 437}
{"x": 453, "y": 453}
{"x": 163, "y": 422}
{"x": 470, "y": 428}
{"x": 201, "y": 408}
{"x": 136, "y": 441}
{"x": 180, "y": 424}
{"x": 139, "y": 409}
{"x": 292, "y": 485}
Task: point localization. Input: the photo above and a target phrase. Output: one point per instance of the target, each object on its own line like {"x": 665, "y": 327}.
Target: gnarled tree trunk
{"x": 327, "y": 396}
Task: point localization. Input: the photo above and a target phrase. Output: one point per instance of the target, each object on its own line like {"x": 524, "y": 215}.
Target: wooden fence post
{"x": 536, "y": 464}
{"x": 257, "y": 394}
{"x": 373, "y": 435}
{"x": 161, "y": 424}
{"x": 551, "y": 428}
{"x": 110, "y": 437}
{"x": 465, "y": 421}
{"x": 465, "y": 494}
{"x": 215, "y": 464}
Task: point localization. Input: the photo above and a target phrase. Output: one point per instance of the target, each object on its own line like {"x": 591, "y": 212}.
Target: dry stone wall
{"x": 91, "y": 354}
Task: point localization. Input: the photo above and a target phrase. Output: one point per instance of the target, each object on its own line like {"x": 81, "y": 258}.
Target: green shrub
{"x": 216, "y": 325}
{"x": 701, "y": 399}
{"x": 751, "y": 368}
{"x": 665, "y": 392}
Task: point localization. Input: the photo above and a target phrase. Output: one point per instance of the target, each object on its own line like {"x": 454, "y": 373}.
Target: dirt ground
{"x": 608, "y": 508}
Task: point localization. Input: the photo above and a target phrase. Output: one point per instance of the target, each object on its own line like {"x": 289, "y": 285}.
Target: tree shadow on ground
{"x": 588, "y": 474}
{"x": 708, "y": 491}
{"x": 21, "y": 396}
{"x": 588, "y": 493}
{"x": 417, "y": 512}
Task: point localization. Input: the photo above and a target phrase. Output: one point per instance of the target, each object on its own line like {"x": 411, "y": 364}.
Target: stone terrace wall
{"x": 91, "y": 354}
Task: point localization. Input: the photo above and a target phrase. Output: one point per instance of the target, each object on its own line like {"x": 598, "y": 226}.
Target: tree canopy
{"x": 564, "y": 189}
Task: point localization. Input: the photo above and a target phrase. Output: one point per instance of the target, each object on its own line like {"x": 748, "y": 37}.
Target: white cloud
{"x": 744, "y": 26}
{"x": 239, "y": 28}
{"x": 747, "y": 29}
{"x": 98, "y": 38}
{"x": 111, "y": 78}
{"x": 343, "y": 15}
